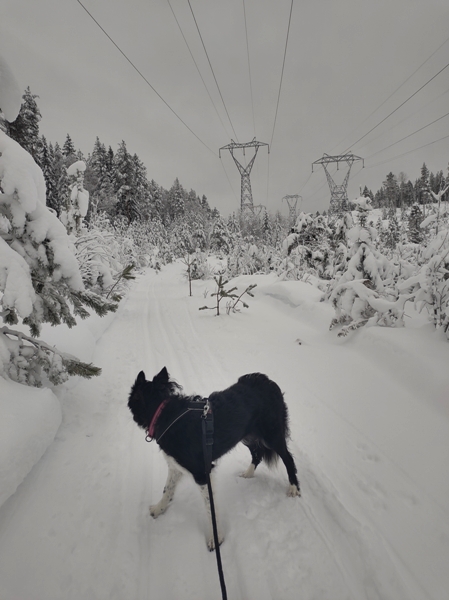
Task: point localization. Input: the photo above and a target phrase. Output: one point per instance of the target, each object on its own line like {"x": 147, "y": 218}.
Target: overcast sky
{"x": 344, "y": 59}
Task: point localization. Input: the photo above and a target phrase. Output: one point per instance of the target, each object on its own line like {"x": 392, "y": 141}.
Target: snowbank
{"x": 30, "y": 417}
{"x": 29, "y": 422}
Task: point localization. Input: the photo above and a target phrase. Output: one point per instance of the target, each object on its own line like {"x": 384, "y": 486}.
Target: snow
{"x": 30, "y": 420}
{"x": 428, "y": 220}
{"x": 369, "y": 419}
{"x": 83, "y": 202}
{"x": 21, "y": 175}
{"x": 77, "y": 167}
{"x": 24, "y": 194}
{"x": 363, "y": 203}
{"x": 15, "y": 281}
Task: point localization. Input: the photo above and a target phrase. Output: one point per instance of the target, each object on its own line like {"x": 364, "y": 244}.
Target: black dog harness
{"x": 199, "y": 405}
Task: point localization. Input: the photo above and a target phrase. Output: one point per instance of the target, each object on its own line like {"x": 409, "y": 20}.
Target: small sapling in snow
{"x": 222, "y": 293}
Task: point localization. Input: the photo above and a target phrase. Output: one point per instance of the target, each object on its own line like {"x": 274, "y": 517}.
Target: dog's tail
{"x": 269, "y": 456}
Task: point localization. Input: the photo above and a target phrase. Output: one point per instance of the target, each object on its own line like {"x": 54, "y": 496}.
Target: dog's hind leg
{"x": 173, "y": 477}
{"x": 287, "y": 459}
{"x": 256, "y": 455}
{"x": 210, "y": 537}
{"x": 279, "y": 445}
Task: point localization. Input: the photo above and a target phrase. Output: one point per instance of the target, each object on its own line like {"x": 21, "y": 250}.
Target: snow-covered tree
{"x": 391, "y": 192}
{"x": 438, "y": 197}
{"x": 174, "y": 202}
{"x": 78, "y": 203}
{"x": 124, "y": 184}
{"x": 46, "y": 163}
{"x": 99, "y": 253}
{"x": 361, "y": 295}
{"x": 220, "y": 239}
{"x": 429, "y": 287}
{"x": 415, "y": 219}
{"x": 40, "y": 280}
{"x": 25, "y": 129}
{"x": 61, "y": 197}
{"x": 69, "y": 150}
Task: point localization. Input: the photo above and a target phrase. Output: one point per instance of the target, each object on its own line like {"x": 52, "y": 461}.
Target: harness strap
{"x": 156, "y": 416}
{"x": 192, "y": 405}
{"x": 207, "y": 424}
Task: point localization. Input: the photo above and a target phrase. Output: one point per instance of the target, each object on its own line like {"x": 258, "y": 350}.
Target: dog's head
{"x": 146, "y": 396}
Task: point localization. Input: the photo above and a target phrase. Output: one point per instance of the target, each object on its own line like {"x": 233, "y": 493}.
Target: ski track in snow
{"x": 79, "y": 526}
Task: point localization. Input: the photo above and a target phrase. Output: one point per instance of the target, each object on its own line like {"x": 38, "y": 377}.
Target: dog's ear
{"x": 141, "y": 377}
{"x": 163, "y": 376}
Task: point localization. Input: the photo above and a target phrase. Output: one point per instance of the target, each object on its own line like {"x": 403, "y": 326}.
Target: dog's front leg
{"x": 210, "y": 537}
{"x": 173, "y": 477}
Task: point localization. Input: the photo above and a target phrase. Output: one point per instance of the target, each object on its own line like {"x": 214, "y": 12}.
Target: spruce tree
{"x": 391, "y": 193}
{"x": 220, "y": 239}
{"x": 62, "y": 191}
{"x": 25, "y": 129}
{"x": 69, "y": 150}
{"x": 175, "y": 201}
{"x": 124, "y": 184}
{"x": 205, "y": 204}
{"x": 155, "y": 201}
{"x": 46, "y": 162}
{"x": 392, "y": 233}
{"x": 424, "y": 185}
{"x": 141, "y": 191}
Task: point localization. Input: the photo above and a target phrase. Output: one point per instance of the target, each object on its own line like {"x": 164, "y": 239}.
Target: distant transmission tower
{"x": 339, "y": 193}
{"x": 246, "y": 195}
{"x": 292, "y": 202}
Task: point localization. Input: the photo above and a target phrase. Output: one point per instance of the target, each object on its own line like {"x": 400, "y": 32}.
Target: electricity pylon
{"x": 339, "y": 193}
{"x": 246, "y": 195}
{"x": 292, "y": 202}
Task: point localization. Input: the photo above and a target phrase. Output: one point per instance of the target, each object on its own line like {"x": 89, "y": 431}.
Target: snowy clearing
{"x": 369, "y": 419}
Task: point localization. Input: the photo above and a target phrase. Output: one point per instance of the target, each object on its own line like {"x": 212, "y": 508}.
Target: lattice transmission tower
{"x": 339, "y": 192}
{"x": 292, "y": 202}
{"x": 246, "y": 195}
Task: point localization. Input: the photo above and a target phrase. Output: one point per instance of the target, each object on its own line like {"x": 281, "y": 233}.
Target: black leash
{"x": 207, "y": 425}
{"x": 208, "y": 441}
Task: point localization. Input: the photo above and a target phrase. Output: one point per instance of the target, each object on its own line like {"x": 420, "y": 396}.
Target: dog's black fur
{"x": 251, "y": 411}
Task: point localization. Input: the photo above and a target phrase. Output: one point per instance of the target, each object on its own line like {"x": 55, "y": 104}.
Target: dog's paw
{"x": 293, "y": 491}
{"x": 156, "y": 510}
{"x": 249, "y": 473}
{"x": 211, "y": 542}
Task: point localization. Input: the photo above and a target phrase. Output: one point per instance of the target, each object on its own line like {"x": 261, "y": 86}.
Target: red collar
{"x": 156, "y": 416}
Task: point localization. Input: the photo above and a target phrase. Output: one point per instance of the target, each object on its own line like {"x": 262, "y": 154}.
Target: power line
{"x": 306, "y": 182}
{"x": 144, "y": 78}
{"x": 408, "y": 152}
{"x": 410, "y": 116}
{"x": 197, "y": 68}
{"x": 396, "y": 90}
{"x": 211, "y": 68}
{"x": 249, "y": 71}
{"x": 282, "y": 72}
{"x": 400, "y": 106}
{"x": 409, "y": 135}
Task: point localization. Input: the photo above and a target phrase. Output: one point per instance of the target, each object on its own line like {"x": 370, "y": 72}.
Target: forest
{"x": 387, "y": 252}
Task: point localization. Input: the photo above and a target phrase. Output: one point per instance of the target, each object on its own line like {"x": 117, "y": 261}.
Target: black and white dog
{"x": 251, "y": 411}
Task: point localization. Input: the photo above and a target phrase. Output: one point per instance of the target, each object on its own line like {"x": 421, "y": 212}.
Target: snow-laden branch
{"x": 28, "y": 357}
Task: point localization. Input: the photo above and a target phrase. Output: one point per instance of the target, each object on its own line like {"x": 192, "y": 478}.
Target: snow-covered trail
{"x": 79, "y": 527}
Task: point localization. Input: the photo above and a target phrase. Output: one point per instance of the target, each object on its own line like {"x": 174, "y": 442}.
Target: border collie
{"x": 251, "y": 411}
